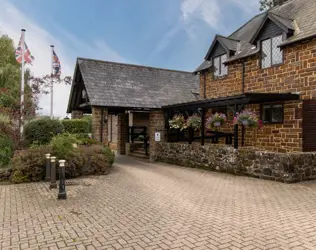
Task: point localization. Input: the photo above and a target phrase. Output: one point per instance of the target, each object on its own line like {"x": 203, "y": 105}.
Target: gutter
{"x": 101, "y": 130}
{"x": 243, "y": 77}
{"x": 204, "y": 83}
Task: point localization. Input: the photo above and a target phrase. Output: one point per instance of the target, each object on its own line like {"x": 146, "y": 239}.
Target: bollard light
{"x": 47, "y": 173}
{"x": 53, "y": 183}
{"x": 62, "y": 195}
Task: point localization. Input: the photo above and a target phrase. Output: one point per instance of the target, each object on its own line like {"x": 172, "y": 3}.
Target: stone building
{"x": 267, "y": 65}
{"x": 125, "y": 100}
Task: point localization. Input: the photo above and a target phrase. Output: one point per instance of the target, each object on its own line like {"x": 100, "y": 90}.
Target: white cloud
{"x": 211, "y": 12}
{"x": 206, "y": 10}
{"x": 39, "y": 41}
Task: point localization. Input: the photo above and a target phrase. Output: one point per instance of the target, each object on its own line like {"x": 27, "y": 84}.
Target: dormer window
{"x": 220, "y": 69}
{"x": 271, "y": 54}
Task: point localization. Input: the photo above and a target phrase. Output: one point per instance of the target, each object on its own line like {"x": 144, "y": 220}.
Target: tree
{"x": 267, "y": 4}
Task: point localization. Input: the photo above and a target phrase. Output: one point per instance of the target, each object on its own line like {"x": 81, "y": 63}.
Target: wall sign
{"x": 157, "y": 136}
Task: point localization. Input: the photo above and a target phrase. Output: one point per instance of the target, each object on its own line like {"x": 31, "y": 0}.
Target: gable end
{"x": 217, "y": 50}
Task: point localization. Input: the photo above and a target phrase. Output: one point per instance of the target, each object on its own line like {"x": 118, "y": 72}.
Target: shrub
{"x": 109, "y": 154}
{"x": 42, "y": 130}
{"x": 28, "y": 165}
{"x": 6, "y": 150}
{"x": 63, "y": 145}
{"x": 75, "y": 126}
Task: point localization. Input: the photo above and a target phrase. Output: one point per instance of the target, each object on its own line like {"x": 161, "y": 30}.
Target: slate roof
{"x": 298, "y": 15}
{"x": 111, "y": 84}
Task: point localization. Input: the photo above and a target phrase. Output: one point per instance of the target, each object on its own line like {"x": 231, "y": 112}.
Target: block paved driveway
{"x": 155, "y": 206}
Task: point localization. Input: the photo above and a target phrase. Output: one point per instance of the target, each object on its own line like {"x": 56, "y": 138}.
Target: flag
{"x": 56, "y": 65}
{"x": 28, "y": 58}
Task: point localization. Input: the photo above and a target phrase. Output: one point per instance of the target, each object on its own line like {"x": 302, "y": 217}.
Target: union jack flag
{"x": 28, "y": 58}
{"x": 56, "y": 65}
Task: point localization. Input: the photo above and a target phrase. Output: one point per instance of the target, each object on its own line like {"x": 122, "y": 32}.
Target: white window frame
{"x": 223, "y": 69}
{"x": 272, "y": 54}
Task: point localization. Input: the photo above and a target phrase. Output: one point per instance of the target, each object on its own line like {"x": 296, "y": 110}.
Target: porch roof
{"x": 246, "y": 98}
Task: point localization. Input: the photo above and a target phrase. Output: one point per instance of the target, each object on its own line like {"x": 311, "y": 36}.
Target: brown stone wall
{"x": 122, "y": 124}
{"x": 96, "y": 125}
{"x": 250, "y": 161}
{"x": 156, "y": 124}
{"x": 76, "y": 114}
{"x": 296, "y": 74}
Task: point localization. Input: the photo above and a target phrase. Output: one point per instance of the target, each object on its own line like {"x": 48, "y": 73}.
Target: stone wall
{"x": 156, "y": 124}
{"x": 97, "y": 126}
{"x": 122, "y": 126}
{"x": 76, "y": 114}
{"x": 296, "y": 74}
{"x": 284, "y": 167}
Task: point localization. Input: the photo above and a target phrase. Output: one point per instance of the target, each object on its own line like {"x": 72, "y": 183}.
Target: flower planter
{"x": 245, "y": 122}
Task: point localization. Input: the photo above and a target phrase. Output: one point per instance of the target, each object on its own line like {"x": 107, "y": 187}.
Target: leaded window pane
{"x": 277, "y": 113}
{"x": 277, "y": 54}
{"x": 272, "y": 113}
{"x": 266, "y": 113}
{"x": 216, "y": 62}
{"x": 223, "y": 66}
{"x": 266, "y": 54}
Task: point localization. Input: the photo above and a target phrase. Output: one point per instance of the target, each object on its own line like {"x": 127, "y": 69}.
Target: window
{"x": 220, "y": 69}
{"x": 272, "y": 113}
{"x": 271, "y": 54}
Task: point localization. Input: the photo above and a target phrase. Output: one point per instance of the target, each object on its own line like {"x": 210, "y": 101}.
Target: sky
{"x": 173, "y": 34}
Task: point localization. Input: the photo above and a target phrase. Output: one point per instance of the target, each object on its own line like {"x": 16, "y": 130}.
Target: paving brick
{"x": 156, "y": 206}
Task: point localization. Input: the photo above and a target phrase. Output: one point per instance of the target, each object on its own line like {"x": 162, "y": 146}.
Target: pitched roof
{"x": 111, "y": 84}
{"x": 297, "y": 15}
{"x": 229, "y": 44}
{"x": 203, "y": 66}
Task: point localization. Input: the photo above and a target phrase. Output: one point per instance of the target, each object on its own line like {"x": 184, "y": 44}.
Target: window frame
{"x": 220, "y": 66}
{"x": 271, "y": 51}
{"x": 271, "y": 104}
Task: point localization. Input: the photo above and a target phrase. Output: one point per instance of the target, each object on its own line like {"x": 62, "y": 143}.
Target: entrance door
{"x": 309, "y": 125}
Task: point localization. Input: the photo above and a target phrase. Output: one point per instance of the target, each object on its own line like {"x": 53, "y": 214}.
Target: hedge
{"x": 76, "y": 126}
{"x": 41, "y": 131}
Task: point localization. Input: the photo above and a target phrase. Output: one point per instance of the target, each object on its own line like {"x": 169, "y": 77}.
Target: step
{"x": 137, "y": 155}
{"x": 139, "y": 151}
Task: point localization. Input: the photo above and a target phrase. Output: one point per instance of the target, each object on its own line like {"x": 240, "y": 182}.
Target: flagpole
{"x": 52, "y": 86}
{"x": 22, "y": 83}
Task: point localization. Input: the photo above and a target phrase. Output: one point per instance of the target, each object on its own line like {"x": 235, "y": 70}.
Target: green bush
{"x": 109, "y": 154}
{"x": 6, "y": 150}
{"x": 88, "y": 118}
{"x": 41, "y": 131}
{"x": 63, "y": 145}
{"x": 76, "y": 126}
{"x": 28, "y": 165}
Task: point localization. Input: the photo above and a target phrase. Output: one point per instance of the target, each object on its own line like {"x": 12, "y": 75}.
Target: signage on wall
{"x": 157, "y": 136}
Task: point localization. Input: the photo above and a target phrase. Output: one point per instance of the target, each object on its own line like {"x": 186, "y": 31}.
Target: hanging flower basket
{"x": 194, "y": 122}
{"x": 177, "y": 122}
{"x": 248, "y": 119}
{"x": 216, "y": 120}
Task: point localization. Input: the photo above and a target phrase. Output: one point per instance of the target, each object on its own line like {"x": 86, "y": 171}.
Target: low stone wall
{"x": 285, "y": 167}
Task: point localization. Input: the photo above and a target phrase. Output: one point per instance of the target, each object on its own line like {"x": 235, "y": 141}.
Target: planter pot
{"x": 245, "y": 122}
{"x": 217, "y": 124}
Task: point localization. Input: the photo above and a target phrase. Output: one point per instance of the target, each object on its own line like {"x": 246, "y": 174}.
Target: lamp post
{"x": 47, "y": 174}
{"x": 62, "y": 195}
{"x": 53, "y": 183}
